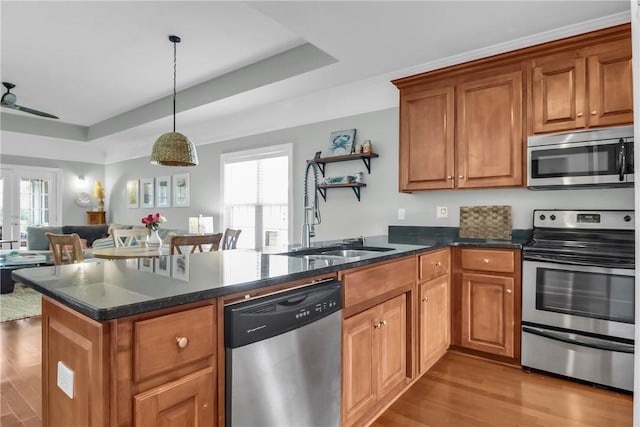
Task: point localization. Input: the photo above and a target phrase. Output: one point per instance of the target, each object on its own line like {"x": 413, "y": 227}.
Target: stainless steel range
{"x": 578, "y": 293}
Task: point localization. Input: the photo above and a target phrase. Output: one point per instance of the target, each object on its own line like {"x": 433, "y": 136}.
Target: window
{"x": 256, "y": 195}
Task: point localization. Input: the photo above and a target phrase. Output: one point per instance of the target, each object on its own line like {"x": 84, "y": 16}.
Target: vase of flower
{"x": 154, "y": 240}
{"x": 152, "y": 222}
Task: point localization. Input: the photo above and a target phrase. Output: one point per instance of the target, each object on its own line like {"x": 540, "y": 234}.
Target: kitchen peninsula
{"x": 129, "y": 347}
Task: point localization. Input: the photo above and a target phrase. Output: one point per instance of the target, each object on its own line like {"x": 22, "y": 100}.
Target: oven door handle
{"x": 572, "y": 338}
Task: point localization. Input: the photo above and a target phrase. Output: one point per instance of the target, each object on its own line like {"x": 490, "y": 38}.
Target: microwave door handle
{"x": 580, "y": 340}
{"x": 622, "y": 160}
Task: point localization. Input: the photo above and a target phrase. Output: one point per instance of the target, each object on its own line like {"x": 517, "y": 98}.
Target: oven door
{"x": 589, "y": 299}
{"x": 602, "y": 163}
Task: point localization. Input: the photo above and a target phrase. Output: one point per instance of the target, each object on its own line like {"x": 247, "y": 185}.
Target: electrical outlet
{"x": 442, "y": 212}
{"x": 65, "y": 379}
{"x": 401, "y": 214}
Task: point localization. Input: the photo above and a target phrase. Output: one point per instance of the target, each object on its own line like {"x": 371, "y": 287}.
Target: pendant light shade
{"x": 174, "y": 148}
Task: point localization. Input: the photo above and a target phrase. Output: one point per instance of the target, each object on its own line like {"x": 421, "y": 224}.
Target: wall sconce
{"x": 81, "y": 183}
{"x": 200, "y": 224}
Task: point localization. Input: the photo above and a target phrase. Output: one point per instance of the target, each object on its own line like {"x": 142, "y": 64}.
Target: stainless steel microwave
{"x": 599, "y": 157}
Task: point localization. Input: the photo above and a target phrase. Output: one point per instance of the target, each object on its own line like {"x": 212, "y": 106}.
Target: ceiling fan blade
{"x": 32, "y": 111}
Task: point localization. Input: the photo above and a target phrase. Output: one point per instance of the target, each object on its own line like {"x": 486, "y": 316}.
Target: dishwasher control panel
{"x": 268, "y": 316}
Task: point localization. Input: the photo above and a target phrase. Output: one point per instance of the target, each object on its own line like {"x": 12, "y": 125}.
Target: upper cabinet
{"x": 478, "y": 146}
{"x": 586, "y": 87}
{"x": 465, "y": 126}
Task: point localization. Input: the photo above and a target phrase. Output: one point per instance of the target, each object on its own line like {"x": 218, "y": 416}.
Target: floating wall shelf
{"x": 366, "y": 158}
{"x": 355, "y": 186}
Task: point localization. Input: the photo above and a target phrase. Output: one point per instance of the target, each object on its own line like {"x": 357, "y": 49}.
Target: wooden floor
{"x": 458, "y": 391}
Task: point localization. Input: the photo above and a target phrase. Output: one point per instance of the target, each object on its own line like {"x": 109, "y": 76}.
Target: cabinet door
{"x": 427, "y": 140}
{"x": 358, "y": 365}
{"x": 434, "y": 321}
{"x": 490, "y": 136}
{"x": 187, "y": 402}
{"x": 559, "y": 94}
{"x": 487, "y": 313}
{"x": 611, "y": 85}
{"x": 391, "y": 333}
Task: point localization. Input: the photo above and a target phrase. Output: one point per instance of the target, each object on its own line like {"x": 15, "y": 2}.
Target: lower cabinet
{"x": 374, "y": 356}
{"x": 434, "y": 320}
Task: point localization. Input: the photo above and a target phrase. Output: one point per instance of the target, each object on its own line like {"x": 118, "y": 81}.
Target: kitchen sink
{"x": 341, "y": 251}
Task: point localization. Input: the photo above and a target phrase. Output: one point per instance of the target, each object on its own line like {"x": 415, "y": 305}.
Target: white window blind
{"x": 256, "y": 192}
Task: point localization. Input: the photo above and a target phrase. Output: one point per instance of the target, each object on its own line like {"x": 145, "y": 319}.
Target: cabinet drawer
{"x": 172, "y": 341}
{"x": 433, "y": 264}
{"x": 362, "y": 285}
{"x": 488, "y": 260}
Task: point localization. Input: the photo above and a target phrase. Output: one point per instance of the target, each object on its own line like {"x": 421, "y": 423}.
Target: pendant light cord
{"x": 174, "y": 86}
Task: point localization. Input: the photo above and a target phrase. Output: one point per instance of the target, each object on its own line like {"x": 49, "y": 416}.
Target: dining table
{"x": 130, "y": 252}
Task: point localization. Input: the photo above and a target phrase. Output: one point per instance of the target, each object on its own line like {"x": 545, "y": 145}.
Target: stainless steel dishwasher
{"x": 283, "y": 358}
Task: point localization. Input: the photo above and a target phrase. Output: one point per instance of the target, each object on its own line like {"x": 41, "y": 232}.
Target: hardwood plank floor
{"x": 458, "y": 391}
{"x": 461, "y": 390}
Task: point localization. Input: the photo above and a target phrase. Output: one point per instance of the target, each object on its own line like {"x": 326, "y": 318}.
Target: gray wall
{"x": 342, "y": 215}
{"x": 72, "y": 214}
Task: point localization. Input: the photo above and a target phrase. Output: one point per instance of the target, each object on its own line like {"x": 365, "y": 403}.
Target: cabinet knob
{"x": 377, "y": 325}
{"x": 486, "y": 261}
{"x": 426, "y": 299}
{"x": 508, "y": 291}
{"x": 461, "y": 177}
{"x": 438, "y": 264}
{"x": 182, "y": 342}
{"x": 579, "y": 114}
{"x": 594, "y": 112}
{"x": 383, "y": 323}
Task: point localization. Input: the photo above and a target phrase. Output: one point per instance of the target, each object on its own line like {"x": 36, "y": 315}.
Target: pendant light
{"x": 174, "y": 148}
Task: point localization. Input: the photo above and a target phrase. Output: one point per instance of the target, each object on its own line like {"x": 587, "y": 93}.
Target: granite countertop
{"x": 105, "y": 290}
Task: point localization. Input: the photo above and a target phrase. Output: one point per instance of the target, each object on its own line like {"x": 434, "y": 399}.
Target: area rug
{"x": 22, "y": 302}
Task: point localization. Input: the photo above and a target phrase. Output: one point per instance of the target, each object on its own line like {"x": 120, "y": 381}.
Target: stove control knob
{"x": 627, "y": 218}
{"x": 552, "y": 217}
{"x": 542, "y": 217}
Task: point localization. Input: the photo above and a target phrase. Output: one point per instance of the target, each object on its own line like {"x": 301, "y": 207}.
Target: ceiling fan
{"x": 9, "y": 101}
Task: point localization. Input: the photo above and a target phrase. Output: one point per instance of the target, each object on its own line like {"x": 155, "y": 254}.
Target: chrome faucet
{"x": 308, "y": 226}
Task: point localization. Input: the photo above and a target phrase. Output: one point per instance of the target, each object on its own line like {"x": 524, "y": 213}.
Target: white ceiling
{"x": 105, "y": 68}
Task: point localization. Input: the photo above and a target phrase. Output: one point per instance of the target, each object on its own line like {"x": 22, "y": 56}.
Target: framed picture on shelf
{"x": 163, "y": 192}
{"x": 163, "y": 265}
{"x": 132, "y": 194}
{"x": 340, "y": 143}
{"x": 146, "y": 190}
{"x": 181, "y": 190}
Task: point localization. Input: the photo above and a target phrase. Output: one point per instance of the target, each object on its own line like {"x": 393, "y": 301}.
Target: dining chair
{"x": 230, "y": 239}
{"x": 126, "y": 238}
{"x": 195, "y": 242}
{"x": 65, "y": 248}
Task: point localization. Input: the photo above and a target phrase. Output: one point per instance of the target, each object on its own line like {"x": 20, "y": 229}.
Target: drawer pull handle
{"x": 426, "y": 299}
{"x": 182, "y": 342}
{"x": 508, "y": 291}
{"x": 579, "y": 114}
{"x": 486, "y": 261}
{"x": 594, "y": 112}
{"x": 438, "y": 264}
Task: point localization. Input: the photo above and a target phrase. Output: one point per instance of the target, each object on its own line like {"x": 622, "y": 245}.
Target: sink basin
{"x": 342, "y": 251}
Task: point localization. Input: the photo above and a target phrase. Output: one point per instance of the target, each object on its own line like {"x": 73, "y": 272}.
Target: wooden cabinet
{"x": 377, "y": 360}
{"x": 586, "y": 87}
{"x": 433, "y": 310}
{"x": 487, "y": 307}
{"x": 374, "y": 356}
{"x": 151, "y": 369}
{"x": 96, "y": 217}
{"x": 480, "y": 146}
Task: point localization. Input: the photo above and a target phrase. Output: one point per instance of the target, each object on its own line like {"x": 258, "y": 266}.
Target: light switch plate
{"x": 65, "y": 379}
{"x": 401, "y": 214}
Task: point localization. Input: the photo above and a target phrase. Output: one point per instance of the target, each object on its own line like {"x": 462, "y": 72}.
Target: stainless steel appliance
{"x": 600, "y": 157}
{"x": 283, "y": 358}
{"x": 578, "y": 293}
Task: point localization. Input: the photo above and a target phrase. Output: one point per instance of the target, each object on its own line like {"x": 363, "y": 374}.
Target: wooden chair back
{"x": 126, "y": 238}
{"x": 195, "y": 242}
{"x": 66, "y": 248}
{"x": 230, "y": 239}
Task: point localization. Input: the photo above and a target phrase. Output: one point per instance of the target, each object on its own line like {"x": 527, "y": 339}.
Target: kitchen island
{"x": 128, "y": 347}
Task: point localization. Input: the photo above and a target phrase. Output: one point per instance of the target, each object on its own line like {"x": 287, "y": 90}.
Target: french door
{"x": 28, "y": 196}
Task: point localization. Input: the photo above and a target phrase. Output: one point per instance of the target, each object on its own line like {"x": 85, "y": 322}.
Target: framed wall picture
{"x": 163, "y": 265}
{"x": 146, "y": 193}
{"x": 163, "y": 192}
{"x": 132, "y": 194}
{"x": 181, "y": 190}
{"x": 180, "y": 266}
{"x": 340, "y": 143}
{"x": 146, "y": 264}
